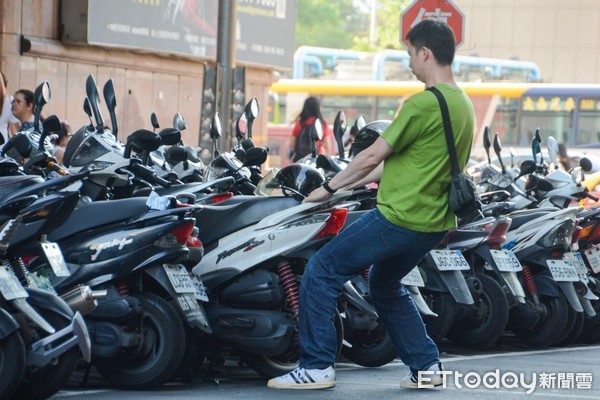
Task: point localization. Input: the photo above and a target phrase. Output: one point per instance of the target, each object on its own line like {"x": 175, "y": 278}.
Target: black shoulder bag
{"x": 463, "y": 199}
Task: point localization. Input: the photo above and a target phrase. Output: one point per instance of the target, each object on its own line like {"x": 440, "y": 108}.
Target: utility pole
{"x": 225, "y": 65}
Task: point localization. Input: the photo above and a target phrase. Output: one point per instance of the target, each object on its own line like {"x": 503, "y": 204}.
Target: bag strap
{"x": 454, "y": 169}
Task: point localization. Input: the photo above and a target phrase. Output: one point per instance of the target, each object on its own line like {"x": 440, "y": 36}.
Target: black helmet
{"x": 367, "y": 135}
{"x": 299, "y": 179}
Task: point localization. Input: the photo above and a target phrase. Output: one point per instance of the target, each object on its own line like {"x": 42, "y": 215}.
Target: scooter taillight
{"x": 177, "y": 237}
{"x": 334, "y": 224}
{"x": 576, "y": 234}
{"x": 497, "y": 235}
{"x": 193, "y": 240}
{"x": 215, "y": 198}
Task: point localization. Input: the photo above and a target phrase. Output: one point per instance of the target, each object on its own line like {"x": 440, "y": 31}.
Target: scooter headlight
{"x": 560, "y": 235}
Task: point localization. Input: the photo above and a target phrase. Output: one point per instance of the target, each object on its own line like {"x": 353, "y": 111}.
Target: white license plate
{"x": 506, "y": 261}
{"x": 55, "y": 258}
{"x": 413, "y": 278}
{"x": 10, "y": 287}
{"x": 449, "y": 260}
{"x": 201, "y": 293}
{"x": 578, "y": 262}
{"x": 562, "y": 271}
{"x": 180, "y": 278}
{"x": 593, "y": 257}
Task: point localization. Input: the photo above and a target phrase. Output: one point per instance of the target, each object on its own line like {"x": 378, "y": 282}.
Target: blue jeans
{"x": 392, "y": 251}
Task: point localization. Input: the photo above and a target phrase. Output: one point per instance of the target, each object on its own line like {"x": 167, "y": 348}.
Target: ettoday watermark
{"x": 507, "y": 380}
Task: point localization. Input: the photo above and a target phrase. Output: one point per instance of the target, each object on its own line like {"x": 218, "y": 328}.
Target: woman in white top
{"x": 6, "y": 115}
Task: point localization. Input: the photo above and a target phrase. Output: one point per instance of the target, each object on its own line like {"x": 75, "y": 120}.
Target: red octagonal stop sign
{"x": 440, "y": 10}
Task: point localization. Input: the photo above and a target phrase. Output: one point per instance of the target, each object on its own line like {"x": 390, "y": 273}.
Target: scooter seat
{"x": 97, "y": 214}
{"x": 238, "y": 212}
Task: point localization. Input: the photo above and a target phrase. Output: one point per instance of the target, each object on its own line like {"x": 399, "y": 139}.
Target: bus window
{"x": 552, "y": 114}
{"x": 588, "y": 131}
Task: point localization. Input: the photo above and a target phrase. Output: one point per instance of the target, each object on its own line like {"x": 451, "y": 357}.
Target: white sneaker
{"x": 301, "y": 378}
{"x": 426, "y": 379}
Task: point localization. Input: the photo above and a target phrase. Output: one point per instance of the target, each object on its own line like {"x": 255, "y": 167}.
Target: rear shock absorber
{"x": 530, "y": 284}
{"x": 19, "y": 269}
{"x": 290, "y": 286}
{"x": 365, "y": 274}
{"x": 122, "y": 287}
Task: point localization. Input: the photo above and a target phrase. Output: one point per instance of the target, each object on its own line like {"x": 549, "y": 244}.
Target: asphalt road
{"x": 556, "y": 373}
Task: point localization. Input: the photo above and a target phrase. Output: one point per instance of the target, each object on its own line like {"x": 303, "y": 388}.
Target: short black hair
{"x": 437, "y": 37}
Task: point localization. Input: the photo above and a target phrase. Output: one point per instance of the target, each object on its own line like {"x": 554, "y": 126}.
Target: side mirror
{"x": 527, "y": 167}
{"x": 255, "y": 156}
{"x": 41, "y": 96}
{"x": 241, "y": 126}
{"x": 215, "y": 132}
{"x": 87, "y": 109}
{"x": 215, "y": 127}
{"x": 50, "y": 124}
{"x": 339, "y": 127}
{"x": 176, "y": 155}
{"x": 585, "y": 164}
{"x": 179, "y": 122}
{"x": 251, "y": 111}
{"x": 22, "y": 144}
{"x": 91, "y": 92}
{"x": 360, "y": 122}
{"x": 486, "y": 143}
{"x": 111, "y": 104}
{"x": 141, "y": 140}
{"x": 154, "y": 121}
{"x": 247, "y": 144}
{"x": 553, "y": 150}
{"x": 497, "y": 150}
{"x": 170, "y": 136}
{"x": 317, "y": 131}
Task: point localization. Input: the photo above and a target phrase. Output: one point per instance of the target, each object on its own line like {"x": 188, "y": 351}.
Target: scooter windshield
{"x": 90, "y": 149}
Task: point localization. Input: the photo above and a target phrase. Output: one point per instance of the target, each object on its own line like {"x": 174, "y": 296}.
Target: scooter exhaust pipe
{"x": 83, "y": 298}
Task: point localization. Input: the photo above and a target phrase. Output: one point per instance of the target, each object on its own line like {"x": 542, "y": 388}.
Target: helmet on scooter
{"x": 367, "y": 135}
{"x": 298, "y": 180}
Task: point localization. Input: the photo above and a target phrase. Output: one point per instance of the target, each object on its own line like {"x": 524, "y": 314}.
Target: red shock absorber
{"x": 529, "y": 282}
{"x": 365, "y": 274}
{"x": 290, "y": 287}
{"x": 123, "y": 288}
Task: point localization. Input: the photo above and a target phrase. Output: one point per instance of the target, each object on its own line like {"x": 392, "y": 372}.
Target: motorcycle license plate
{"x": 201, "y": 293}
{"x": 413, "y": 278}
{"x": 506, "y": 261}
{"x": 10, "y": 287}
{"x": 180, "y": 278}
{"x": 593, "y": 257}
{"x": 55, "y": 259}
{"x": 562, "y": 271}
{"x": 578, "y": 262}
{"x": 449, "y": 260}
{"x": 191, "y": 309}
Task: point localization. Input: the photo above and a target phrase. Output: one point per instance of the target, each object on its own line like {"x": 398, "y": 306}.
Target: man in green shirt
{"x": 411, "y": 218}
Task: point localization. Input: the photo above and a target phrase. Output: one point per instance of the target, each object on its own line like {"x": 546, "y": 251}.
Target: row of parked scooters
{"x": 141, "y": 261}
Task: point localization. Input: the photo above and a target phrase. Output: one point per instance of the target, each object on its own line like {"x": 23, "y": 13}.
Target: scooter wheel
{"x": 157, "y": 358}
{"x": 12, "y": 363}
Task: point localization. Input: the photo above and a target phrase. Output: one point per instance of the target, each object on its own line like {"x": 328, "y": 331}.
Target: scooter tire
{"x": 445, "y": 307}
{"x": 575, "y": 322}
{"x": 41, "y": 383}
{"x": 549, "y": 330}
{"x": 372, "y": 353}
{"x": 271, "y": 366}
{"x": 12, "y": 363}
{"x": 492, "y": 316}
{"x": 160, "y": 354}
{"x": 590, "y": 333}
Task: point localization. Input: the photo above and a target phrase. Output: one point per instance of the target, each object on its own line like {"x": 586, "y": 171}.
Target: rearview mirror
{"x": 141, "y": 140}
{"x": 170, "y": 136}
{"x": 255, "y": 156}
{"x": 179, "y": 122}
{"x": 553, "y": 150}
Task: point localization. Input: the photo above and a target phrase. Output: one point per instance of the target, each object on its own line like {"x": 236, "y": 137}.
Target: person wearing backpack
{"x": 300, "y": 142}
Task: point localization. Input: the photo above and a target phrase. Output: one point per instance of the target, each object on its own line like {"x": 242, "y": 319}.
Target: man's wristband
{"x": 328, "y": 188}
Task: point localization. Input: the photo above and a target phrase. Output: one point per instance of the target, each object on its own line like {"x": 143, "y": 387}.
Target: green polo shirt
{"x": 413, "y": 192}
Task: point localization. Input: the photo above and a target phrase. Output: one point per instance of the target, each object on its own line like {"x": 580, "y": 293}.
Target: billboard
{"x": 264, "y": 28}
